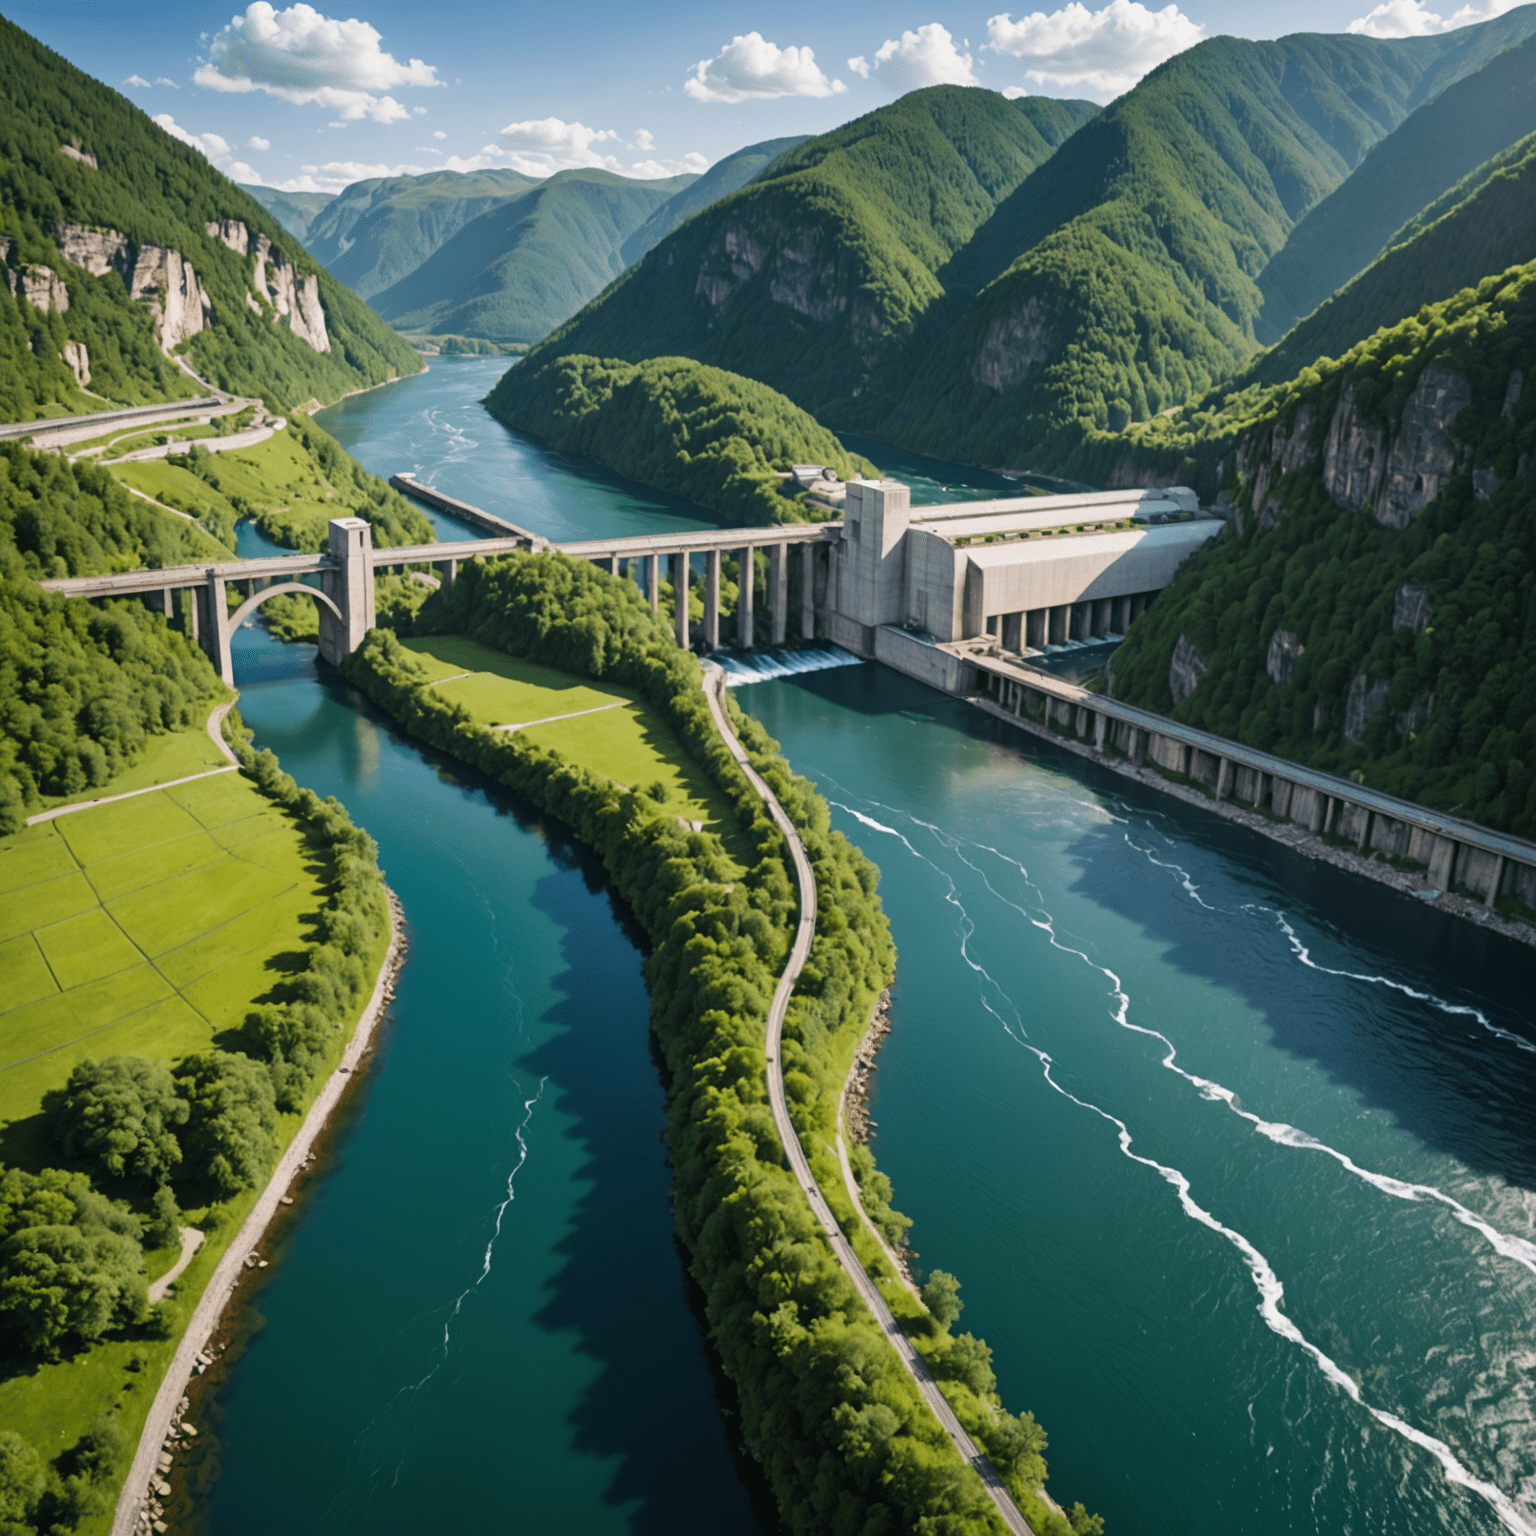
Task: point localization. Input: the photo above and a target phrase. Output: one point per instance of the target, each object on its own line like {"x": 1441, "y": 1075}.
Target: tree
{"x": 57, "y": 1282}
{"x": 21, "y": 1481}
{"x": 121, "y": 1112}
{"x": 941, "y": 1295}
{"x": 164, "y": 1227}
{"x": 232, "y": 1116}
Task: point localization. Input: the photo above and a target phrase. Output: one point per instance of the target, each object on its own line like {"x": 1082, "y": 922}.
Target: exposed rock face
{"x": 1361, "y": 467}
{"x": 160, "y": 278}
{"x": 1012, "y": 345}
{"x": 1412, "y": 609}
{"x": 1285, "y": 650}
{"x": 231, "y": 232}
{"x": 1416, "y": 716}
{"x": 1285, "y": 451}
{"x": 1485, "y": 484}
{"x": 79, "y": 360}
{"x": 1185, "y": 670}
{"x": 297, "y": 298}
{"x": 82, "y": 156}
{"x": 1512, "y": 394}
{"x": 44, "y": 289}
{"x": 164, "y": 280}
{"x": 1362, "y": 701}
{"x": 99, "y": 251}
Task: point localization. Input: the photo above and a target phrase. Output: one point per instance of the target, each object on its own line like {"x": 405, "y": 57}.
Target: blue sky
{"x": 313, "y": 97}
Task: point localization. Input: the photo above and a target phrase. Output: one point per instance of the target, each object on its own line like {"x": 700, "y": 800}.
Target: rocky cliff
{"x": 275, "y": 279}
{"x": 161, "y": 279}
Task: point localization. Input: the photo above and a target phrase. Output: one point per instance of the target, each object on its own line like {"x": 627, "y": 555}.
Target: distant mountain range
{"x": 495, "y": 254}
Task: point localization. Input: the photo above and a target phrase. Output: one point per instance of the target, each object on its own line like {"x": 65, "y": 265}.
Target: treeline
{"x": 714, "y": 438}
{"x": 1448, "y": 692}
{"x": 844, "y": 1437}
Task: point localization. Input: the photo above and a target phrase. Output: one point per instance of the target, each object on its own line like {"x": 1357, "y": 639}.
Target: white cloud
{"x": 256, "y": 142}
{"x": 751, "y": 68}
{"x": 137, "y": 80}
{"x": 298, "y": 55}
{"x": 1098, "y": 53}
{"x": 692, "y": 164}
{"x": 1014, "y": 92}
{"x": 545, "y": 145}
{"x": 437, "y": 133}
{"x": 162, "y": 80}
{"x": 1413, "y": 18}
{"x": 212, "y": 147}
{"x": 335, "y": 175}
{"x": 925, "y": 57}
{"x": 644, "y": 139}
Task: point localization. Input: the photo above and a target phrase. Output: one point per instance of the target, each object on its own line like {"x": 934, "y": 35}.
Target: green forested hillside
{"x": 530, "y": 262}
{"x": 295, "y": 211}
{"x": 1487, "y": 223}
{"x": 156, "y": 193}
{"x": 1142, "y": 241}
{"x": 723, "y": 177}
{"x": 813, "y": 278}
{"x": 377, "y": 232}
{"x": 1470, "y": 123}
{"x": 1396, "y": 553}
{"x": 711, "y": 437}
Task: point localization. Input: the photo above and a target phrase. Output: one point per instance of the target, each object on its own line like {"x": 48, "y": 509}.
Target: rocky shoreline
{"x": 856, "y": 1089}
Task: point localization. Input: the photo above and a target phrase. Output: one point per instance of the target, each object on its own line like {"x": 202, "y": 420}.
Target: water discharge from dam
{"x": 1233, "y": 1155}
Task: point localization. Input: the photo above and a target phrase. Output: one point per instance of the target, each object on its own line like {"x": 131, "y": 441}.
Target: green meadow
{"x": 144, "y": 927}
{"x": 601, "y": 726}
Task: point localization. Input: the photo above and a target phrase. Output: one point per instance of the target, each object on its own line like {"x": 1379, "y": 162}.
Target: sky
{"x": 314, "y": 97}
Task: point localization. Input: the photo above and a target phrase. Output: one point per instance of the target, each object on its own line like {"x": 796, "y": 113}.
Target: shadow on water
{"x": 599, "y": 1292}
{"x": 1448, "y": 1080}
{"x": 651, "y": 1406}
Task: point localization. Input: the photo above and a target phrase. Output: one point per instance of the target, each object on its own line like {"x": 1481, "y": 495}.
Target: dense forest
{"x": 1410, "y": 629}
{"x": 158, "y": 194}
{"x": 844, "y": 1438}
{"x": 713, "y": 438}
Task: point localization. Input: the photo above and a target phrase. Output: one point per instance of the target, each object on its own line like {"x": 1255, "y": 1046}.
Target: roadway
{"x": 805, "y": 933}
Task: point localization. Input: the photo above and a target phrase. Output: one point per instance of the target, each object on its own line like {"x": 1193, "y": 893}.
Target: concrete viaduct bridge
{"x": 345, "y": 595}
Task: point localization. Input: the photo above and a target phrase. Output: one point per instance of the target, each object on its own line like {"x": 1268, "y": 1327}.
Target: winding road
{"x": 714, "y": 690}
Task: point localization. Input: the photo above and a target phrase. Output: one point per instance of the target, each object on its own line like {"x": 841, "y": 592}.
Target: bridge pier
{"x": 808, "y": 592}
{"x": 680, "y": 596}
{"x": 349, "y": 585}
{"x": 778, "y": 593}
{"x": 746, "y": 594}
{"x": 653, "y": 581}
{"x": 712, "y": 600}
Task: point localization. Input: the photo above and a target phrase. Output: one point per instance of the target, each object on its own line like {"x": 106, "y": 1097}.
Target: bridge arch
{"x": 252, "y": 603}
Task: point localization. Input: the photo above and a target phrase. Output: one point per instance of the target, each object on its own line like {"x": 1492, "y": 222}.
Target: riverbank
{"x": 1299, "y": 840}
{"x": 136, "y": 1505}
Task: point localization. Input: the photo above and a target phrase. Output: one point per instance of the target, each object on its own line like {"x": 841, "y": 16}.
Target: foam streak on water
{"x": 1266, "y": 1281}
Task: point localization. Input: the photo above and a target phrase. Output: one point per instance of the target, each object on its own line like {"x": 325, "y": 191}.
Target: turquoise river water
{"x": 1235, "y": 1156}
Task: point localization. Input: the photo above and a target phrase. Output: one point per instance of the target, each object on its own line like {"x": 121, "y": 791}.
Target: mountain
{"x": 295, "y": 211}
{"x": 817, "y": 277}
{"x": 377, "y": 232}
{"x": 1114, "y": 279}
{"x": 515, "y": 272}
{"x": 1133, "y": 255}
{"x": 724, "y": 176}
{"x": 1484, "y": 225}
{"x": 124, "y": 250}
{"x": 1367, "y": 610}
{"x": 1470, "y": 123}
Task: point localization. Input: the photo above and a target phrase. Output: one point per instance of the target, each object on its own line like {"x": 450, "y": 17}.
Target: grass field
{"x": 176, "y": 755}
{"x": 146, "y": 927}
{"x": 607, "y": 728}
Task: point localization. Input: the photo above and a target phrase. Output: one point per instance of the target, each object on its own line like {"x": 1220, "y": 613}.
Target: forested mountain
{"x": 295, "y": 211}
{"x": 123, "y": 246}
{"x": 1472, "y": 122}
{"x": 817, "y": 278}
{"x": 1369, "y": 608}
{"x": 865, "y": 280}
{"x": 1485, "y": 224}
{"x": 376, "y": 232}
{"x": 531, "y": 261}
{"x": 723, "y": 177}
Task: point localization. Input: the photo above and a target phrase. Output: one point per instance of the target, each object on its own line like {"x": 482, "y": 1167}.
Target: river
{"x": 1282, "y": 1280}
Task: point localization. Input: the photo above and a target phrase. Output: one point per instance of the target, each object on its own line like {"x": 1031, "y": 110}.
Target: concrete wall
{"x": 924, "y": 662}
{"x": 935, "y": 585}
{"x": 873, "y": 551}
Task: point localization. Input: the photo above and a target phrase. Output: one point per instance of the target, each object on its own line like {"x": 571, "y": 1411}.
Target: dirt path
{"x": 714, "y": 686}
{"x": 191, "y": 1241}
